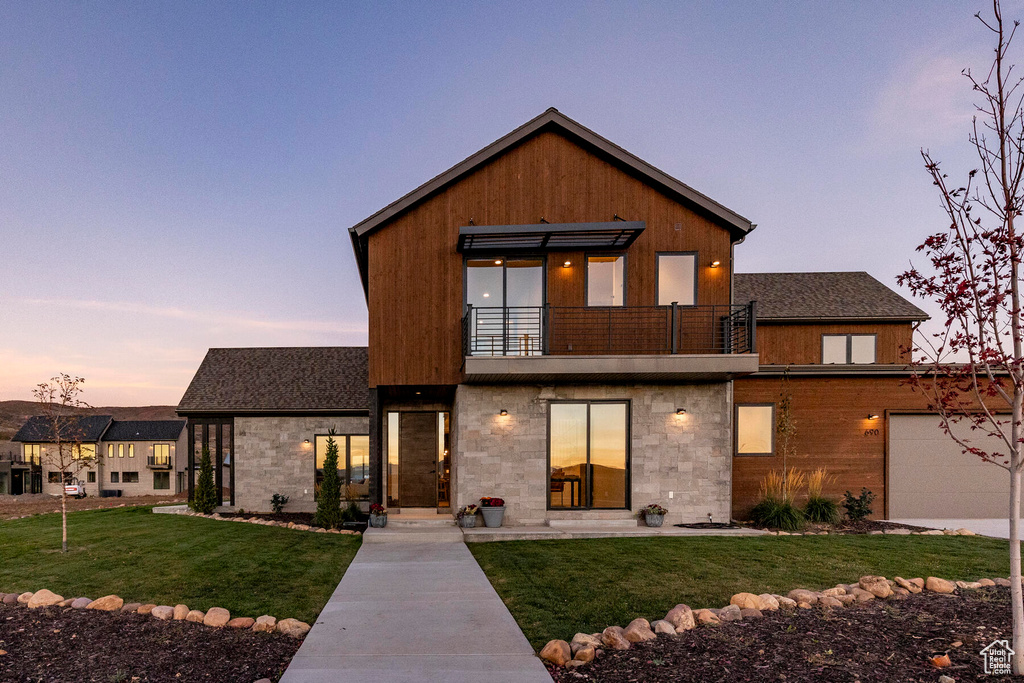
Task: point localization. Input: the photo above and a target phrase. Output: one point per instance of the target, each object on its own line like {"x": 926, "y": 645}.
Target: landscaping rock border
{"x": 896, "y": 531}
{"x": 586, "y": 647}
{"x": 269, "y": 522}
{"x": 215, "y": 617}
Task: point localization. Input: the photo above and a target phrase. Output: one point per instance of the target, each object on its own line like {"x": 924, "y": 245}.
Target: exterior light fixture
{"x": 503, "y": 412}
{"x": 715, "y": 264}
{"x": 418, "y": 393}
{"x": 567, "y": 264}
{"x": 498, "y": 262}
{"x": 306, "y": 442}
{"x": 873, "y": 416}
{"x": 680, "y": 411}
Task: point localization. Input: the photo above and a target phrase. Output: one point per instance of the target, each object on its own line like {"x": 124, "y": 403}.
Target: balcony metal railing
{"x": 19, "y": 458}
{"x": 611, "y": 330}
{"x": 159, "y": 462}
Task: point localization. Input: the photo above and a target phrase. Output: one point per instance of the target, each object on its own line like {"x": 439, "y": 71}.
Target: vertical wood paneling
{"x": 800, "y": 344}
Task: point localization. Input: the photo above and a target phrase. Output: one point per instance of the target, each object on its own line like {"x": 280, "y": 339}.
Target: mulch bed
{"x": 296, "y": 517}
{"x": 867, "y": 642}
{"x": 62, "y": 644}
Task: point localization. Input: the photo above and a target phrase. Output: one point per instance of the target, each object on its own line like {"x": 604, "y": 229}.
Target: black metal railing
{"x": 19, "y": 458}
{"x": 610, "y": 330}
{"x": 159, "y": 462}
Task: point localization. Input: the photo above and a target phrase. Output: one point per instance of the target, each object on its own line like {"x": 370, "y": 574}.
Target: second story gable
{"x": 552, "y": 240}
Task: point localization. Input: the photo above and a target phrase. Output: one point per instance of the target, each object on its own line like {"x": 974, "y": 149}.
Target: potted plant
{"x": 378, "y": 516}
{"x": 493, "y": 510}
{"x": 467, "y": 516}
{"x": 653, "y": 514}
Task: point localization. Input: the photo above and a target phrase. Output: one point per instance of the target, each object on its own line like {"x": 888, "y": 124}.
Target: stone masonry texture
{"x": 688, "y": 455}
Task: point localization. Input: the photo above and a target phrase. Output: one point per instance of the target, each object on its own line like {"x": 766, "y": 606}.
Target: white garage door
{"x": 930, "y": 478}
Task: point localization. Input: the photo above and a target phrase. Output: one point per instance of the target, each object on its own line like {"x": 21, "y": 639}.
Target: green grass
{"x": 169, "y": 559}
{"x": 557, "y": 588}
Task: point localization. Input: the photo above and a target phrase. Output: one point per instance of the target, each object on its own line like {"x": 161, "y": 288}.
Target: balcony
{"x": 19, "y": 459}
{"x": 159, "y": 462}
{"x": 643, "y": 343}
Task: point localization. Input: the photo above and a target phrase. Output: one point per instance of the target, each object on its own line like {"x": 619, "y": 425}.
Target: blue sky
{"x": 176, "y": 176}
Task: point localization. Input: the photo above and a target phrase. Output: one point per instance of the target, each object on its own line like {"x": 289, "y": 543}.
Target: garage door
{"x": 930, "y": 478}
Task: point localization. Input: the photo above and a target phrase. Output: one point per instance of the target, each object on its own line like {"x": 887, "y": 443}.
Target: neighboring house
{"x": 131, "y": 457}
{"x": 556, "y": 322}
{"x": 19, "y": 474}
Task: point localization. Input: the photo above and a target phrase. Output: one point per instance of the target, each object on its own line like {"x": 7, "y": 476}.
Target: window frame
{"x": 736, "y": 430}
{"x": 504, "y": 278}
{"x": 586, "y": 278}
{"x": 588, "y": 495}
{"x": 849, "y": 346}
{"x": 115, "y": 477}
{"x": 131, "y": 450}
{"x": 347, "y": 454}
{"x": 133, "y": 473}
{"x": 657, "y": 276}
{"x": 90, "y": 477}
{"x": 162, "y": 488}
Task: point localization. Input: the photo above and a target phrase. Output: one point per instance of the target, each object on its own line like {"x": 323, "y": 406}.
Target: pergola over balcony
{"x": 540, "y": 237}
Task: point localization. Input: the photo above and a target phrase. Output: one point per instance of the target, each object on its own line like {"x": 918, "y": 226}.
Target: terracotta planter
{"x": 378, "y": 521}
{"x": 468, "y": 521}
{"x": 493, "y": 516}
{"x": 654, "y": 520}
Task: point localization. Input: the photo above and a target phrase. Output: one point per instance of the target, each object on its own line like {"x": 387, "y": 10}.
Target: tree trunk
{"x": 1016, "y": 602}
{"x": 64, "y": 523}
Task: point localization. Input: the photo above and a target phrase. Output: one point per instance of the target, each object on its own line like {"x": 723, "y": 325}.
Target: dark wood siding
{"x": 415, "y": 274}
{"x": 800, "y": 344}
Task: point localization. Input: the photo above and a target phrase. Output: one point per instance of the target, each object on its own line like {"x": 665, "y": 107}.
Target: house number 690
{"x": 871, "y": 432}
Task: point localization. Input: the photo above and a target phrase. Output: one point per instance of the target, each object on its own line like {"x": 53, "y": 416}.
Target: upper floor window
{"x": 846, "y": 349}
{"x": 32, "y": 454}
{"x": 606, "y": 280}
{"x": 120, "y": 450}
{"x": 162, "y": 454}
{"x": 501, "y": 282}
{"x": 677, "y": 279}
{"x": 131, "y": 450}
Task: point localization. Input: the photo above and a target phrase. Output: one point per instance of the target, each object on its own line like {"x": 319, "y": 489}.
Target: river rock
{"x": 44, "y": 598}
{"x": 298, "y": 629}
{"x": 265, "y": 623}
{"x": 680, "y": 616}
{"x": 614, "y": 637}
{"x": 195, "y": 616}
{"x": 937, "y": 585}
{"x": 163, "y": 612}
{"x": 180, "y": 612}
{"x": 638, "y": 631}
{"x": 876, "y": 585}
{"x": 557, "y": 652}
{"x": 217, "y": 617}
{"x": 108, "y": 603}
{"x": 746, "y": 601}
{"x": 241, "y": 622}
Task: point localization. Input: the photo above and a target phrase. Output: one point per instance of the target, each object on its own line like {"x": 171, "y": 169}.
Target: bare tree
{"x": 62, "y": 416}
{"x": 973, "y": 371}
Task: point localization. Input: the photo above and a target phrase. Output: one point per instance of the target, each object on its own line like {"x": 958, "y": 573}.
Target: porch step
{"x": 419, "y": 517}
{"x": 626, "y": 523}
{"x": 412, "y": 534}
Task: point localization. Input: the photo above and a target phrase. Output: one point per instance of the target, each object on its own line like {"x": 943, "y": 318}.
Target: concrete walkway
{"x": 415, "y": 612}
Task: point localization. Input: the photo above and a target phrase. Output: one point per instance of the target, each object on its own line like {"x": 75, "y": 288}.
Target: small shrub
{"x": 777, "y": 514}
{"x": 858, "y": 507}
{"x": 822, "y": 511}
{"x": 352, "y": 513}
{"x": 204, "y": 496}
{"x": 277, "y": 503}
{"x": 782, "y": 486}
{"x": 466, "y": 511}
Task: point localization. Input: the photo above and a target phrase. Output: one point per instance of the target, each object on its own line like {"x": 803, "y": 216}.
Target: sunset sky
{"x": 176, "y": 175}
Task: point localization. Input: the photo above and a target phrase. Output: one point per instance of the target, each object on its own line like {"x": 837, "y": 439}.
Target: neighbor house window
{"x": 90, "y": 477}
{"x": 120, "y": 450}
{"x": 755, "y": 429}
{"x": 53, "y": 477}
{"x": 353, "y": 464}
{"x": 31, "y": 451}
{"x": 115, "y": 477}
{"x": 588, "y": 448}
{"x": 161, "y": 480}
{"x": 129, "y": 477}
{"x": 846, "y": 349}
{"x": 162, "y": 454}
{"x": 85, "y": 451}
{"x": 677, "y": 279}
{"x": 131, "y": 450}
{"x": 606, "y": 280}
{"x": 110, "y": 450}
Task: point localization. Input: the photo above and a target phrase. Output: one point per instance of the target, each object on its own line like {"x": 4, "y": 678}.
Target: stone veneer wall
{"x": 690, "y": 455}
{"x": 270, "y": 457}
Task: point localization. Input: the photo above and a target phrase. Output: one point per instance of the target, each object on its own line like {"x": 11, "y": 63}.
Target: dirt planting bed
{"x": 868, "y": 642}
{"x": 56, "y": 644}
{"x": 13, "y": 507}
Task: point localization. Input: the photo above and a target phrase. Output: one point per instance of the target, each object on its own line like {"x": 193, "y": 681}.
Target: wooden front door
{"x": 417, "y": 453}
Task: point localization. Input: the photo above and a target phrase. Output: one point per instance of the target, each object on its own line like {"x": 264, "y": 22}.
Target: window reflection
{"x": 589, "y": 455}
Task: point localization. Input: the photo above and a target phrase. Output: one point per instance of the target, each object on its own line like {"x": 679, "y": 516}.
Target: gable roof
{"x": 144, "y": 430}
{"x": 552, "y": 119}
{"x": 311, "y": 379}
{"x": 37, "y": 429}
{"x": 822, "y": 296}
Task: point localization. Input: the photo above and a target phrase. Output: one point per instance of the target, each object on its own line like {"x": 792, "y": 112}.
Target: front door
{"x": 417, "y": 480}
{"x": 17, "y": 482}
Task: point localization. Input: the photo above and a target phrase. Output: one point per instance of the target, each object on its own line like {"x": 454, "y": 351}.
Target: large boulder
{"x": 784, "y": 602}
{"x": 799, "y": 595}
{"x": 11, "y": 599}
{"x": 265, "y": 623}
{"x": 44, "y": 598}
{"x": 585, "y": 654}
{"x": 680, "y": 616}
{"x": 903, "y": 583}
{"x": 829, "y": 601}
{"x": 131, "y": 607}
{"x": 768, "y": 602}
{"x": 556, "y": 652}
{"x": 876, "y": 585}
{"x": 298, "y": 629}
{"x": 581, "y": 640}
{"x": 750, "y": 613}
{"x": 862, "y": 595}
{"x": 614, "y": 637}
{"x": 24, "y": 598}
{"x": 180, "y": 612}
{"x": 108, "y": 603}
{"x": 241, "y": 622}
{"x": 834, "y": 592}
{"x": 195, "y": 616}
{"x": 730, "y": 613}
{"x": 638, "y": 631}
{"x": 663, "y": 627}
{"x": 217, "y": 617}
{"x": 706, "y": 617}
{"x": 746, "y": 601}
{"x": 163, "y": 612}
{"x": 80, "y": 603}
{"x": 937, "y": 585}
{"x": 146, "y": 608}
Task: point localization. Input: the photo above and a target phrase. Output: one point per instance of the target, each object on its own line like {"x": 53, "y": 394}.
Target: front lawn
{"x": 169, "y": 559}
{"x": 557, "y": 588}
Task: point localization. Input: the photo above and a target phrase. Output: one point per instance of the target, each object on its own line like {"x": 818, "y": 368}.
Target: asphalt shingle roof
{"x": 144, "y": 430}
{"x": 283, "y": 379}
{"x": 799, "y": 296}
{"x": 38, "y": 429}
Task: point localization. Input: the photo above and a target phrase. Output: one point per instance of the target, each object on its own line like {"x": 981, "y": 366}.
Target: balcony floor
{"x": 719, "y": 367}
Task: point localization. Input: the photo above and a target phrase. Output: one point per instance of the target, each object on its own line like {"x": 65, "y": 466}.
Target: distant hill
{"x": 14, "y": 413}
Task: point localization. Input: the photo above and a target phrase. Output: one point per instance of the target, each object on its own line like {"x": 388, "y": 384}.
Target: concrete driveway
{"x": 996, "y": 528}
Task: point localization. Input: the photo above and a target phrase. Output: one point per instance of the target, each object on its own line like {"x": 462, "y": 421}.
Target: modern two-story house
{"x": 558, "y": 323}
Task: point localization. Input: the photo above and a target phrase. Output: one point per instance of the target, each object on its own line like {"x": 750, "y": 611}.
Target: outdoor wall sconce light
{"x": 567, "y": 264}
{"x": 873, "y": 416}
{"x": 503, "y": 412}
{"x": 715, "y": 264}
{"x": 306, "y": 442}
{"x": 498, "y": 262}
{"x": 680, "y": 411}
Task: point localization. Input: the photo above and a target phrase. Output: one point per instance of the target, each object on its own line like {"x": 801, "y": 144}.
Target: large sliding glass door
{"x": 507, "y": 300}
{"x": 588, "y": 446}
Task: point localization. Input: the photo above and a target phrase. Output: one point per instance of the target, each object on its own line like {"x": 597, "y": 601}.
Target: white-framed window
{"x": 848, "y": 349}
{"x": 755, "y": 429}
{"x": 606, "y": 280}
{"x": 677, "y": 279}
